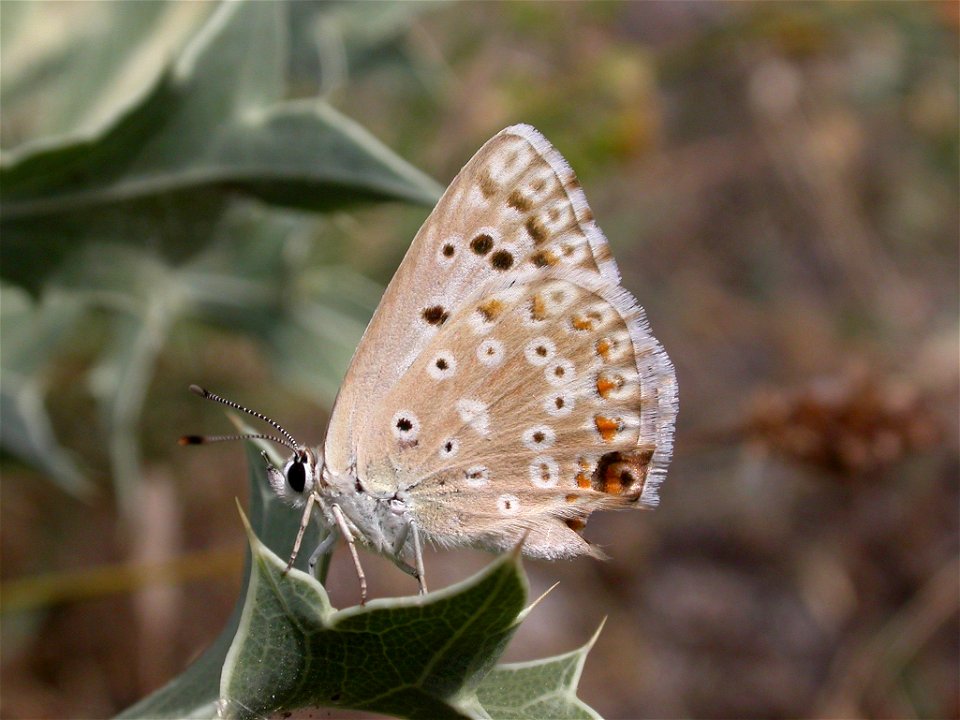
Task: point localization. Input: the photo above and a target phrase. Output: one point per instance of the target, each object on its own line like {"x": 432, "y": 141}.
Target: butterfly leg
{"x": 304, "y": 523}
{"x": 348, "y": 536}
{"x": 418, "y": 559}
{"x": 396, "y": 556}
{"x": 324, "y": 549}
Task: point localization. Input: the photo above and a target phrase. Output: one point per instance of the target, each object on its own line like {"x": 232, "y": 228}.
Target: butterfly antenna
{"x": 207, "y": 395}
{"x": 207, "y": 439}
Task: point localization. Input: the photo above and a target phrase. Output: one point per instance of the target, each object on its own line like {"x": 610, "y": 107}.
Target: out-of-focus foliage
{"x": 143, "y": 207}
{"x": 779, "y": 185}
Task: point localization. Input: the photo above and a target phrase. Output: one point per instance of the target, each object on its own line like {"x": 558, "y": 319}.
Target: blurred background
{"x": 187, "y": 199}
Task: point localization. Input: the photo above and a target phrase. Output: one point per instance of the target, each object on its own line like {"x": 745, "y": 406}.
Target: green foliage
{"x": 413, "y": 657}
{"x": 285, "y": 647}
{"x": 539, "y": 689}
{"x": 32, "y": 331}
{"x": 166, "y": 205}
{"x": 213, "y": 126}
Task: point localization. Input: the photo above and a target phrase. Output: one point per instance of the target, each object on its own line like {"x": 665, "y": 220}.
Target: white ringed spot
{"x": 477, "y": 476}
{"x": 560, "y": 372}
{"x": 561, "y": 295}
{"x": 448, "y": 249}
{"x": 449, "y": 448}
{"x": 539, "y": 437}
{"x": 544, "y": 472}
{"x": 490, "y": 352}
{"x": 508, "y": 504}
{"x": 405, "y": 426}
{"x": 442, "y": 365}
{"x": 559, "y": 404}
{"x": 540, "y": 351}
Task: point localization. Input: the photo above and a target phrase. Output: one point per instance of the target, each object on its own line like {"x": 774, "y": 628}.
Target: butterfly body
{"x": 379, "y": 521}
{"x": 507, "y": 385}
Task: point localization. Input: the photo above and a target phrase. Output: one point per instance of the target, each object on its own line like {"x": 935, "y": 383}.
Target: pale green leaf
{"x": 214, "y": 126}
{"x": 32, "y": 332}
{"x": 410, "y": 657}
{"x": 539, "y": 689}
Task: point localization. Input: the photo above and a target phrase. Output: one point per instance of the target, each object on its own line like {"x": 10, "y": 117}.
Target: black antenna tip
{"x": 197, "y": 390}
{"x": 191, "y": 440}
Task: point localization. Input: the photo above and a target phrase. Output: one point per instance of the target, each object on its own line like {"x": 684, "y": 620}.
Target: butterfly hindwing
{"x": 516, "y": 206}
{"x": 542, "y": 398}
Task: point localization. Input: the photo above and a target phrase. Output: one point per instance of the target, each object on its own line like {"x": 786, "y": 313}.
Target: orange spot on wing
{"x": 606, "y": 384}
{"x": 607, "y": 427}
{"x": 538, "y": 308}
{"x": 490, "y": 310}
{"x": 544, "y": 258}
{"x": 586, "y": 470}
{"x": 603, "y": 347}
{"x": 612, "y": 484}
{"x": 586, "y": 321}
{"x": 623, "y": 473}
{"x": 570, "y": 498}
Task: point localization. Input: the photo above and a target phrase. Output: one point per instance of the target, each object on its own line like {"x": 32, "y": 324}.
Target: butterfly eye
{"x": 297, "y": 476}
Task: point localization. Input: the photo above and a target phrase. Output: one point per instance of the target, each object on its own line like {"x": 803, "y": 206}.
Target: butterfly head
{"x": 299, "y": 475}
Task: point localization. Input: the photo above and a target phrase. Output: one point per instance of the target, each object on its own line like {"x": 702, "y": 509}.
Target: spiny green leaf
{"x": 539, "y": 689}
{"x": 412, "y": 657}
{"x": 429, "y": 656}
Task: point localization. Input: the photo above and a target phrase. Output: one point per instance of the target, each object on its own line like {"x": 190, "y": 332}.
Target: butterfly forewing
{"x": 540, "y": 399}
{"x": 516, "y": 206}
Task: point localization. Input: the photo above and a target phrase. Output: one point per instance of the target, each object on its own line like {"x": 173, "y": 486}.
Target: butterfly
{"x": 506, "y": 388}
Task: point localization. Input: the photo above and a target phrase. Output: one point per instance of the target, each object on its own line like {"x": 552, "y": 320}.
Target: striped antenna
{"x": 201, "y": 440}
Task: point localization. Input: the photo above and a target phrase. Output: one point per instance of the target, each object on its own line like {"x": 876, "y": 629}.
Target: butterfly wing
{"x": 515, "y": 205}
{"x": 541, "y": 399}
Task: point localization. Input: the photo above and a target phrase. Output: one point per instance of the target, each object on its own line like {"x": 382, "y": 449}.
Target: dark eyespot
{"x": 559, "y": 402}
{"x": 449, "y": 446}
{"x": 435, "y": 315}
{"x": 297, "y": 476}
{"x": 501, "y": 260}
{"x": 448, "y": 250}
{"x": 404, "y": 425}
{"x": 538, "y": 437}
{"x": 441, "y": 364}
{"x": 481, "y": 244}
